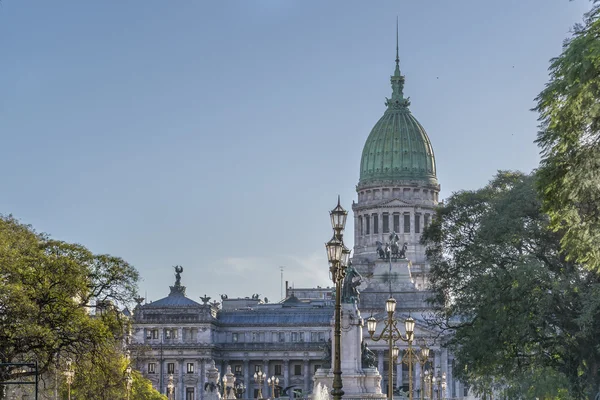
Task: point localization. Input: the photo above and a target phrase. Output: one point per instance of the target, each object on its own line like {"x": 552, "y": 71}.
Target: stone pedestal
{"x": 358, "y": 382}
{"x": 211, "y": 388}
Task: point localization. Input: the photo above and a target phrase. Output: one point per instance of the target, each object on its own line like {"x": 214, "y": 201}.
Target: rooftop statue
{"x": 178, "y": 271}
{"x": 205, "y": 299}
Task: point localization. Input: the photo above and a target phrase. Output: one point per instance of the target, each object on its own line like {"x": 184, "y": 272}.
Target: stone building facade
{"x": 397, "y": 194}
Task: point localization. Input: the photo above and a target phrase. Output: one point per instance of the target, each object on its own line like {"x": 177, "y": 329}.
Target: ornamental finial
{"x": 397, "y": 102}
{"x": 397, "y": 51}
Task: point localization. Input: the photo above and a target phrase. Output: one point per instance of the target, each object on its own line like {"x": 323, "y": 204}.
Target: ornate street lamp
{"x": 428, "y": 377}
{"x": 224, "y": 386}
{"x": 272, "y": 381}
{"x": 391, "y": 333}
{"x": 69, "y": 373}
{"x": 440, "y": 380}
{"x": 240, "y": 389}
{"x": 170, "y": 387}
{"x": 411, "y": 357}
{"x": 339, "y": 256}
{"x": 259, "y": 378}
{"x": 422, "y": 358}
{"x": 128, "y": 380}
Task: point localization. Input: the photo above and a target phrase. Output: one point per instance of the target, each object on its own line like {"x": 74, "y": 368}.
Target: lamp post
{"x": 429, "y": 384}
{"x": 240, "y": 389}
{"x": 421, "y": 357}
{"x": 128, "y": 380}
{"x": 69, "y": 375}
{"x": 259, "y": 378}
{"x": 411, "y": 357}
{"x": 391, "y": 333}
{"x": 272, "y": 381}
{"x": 338, "y": 255}
{"x": 441, "y": 384}
{"x": 170, "y": 387}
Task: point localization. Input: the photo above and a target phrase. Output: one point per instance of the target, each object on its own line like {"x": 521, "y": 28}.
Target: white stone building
{"x": 397, "y": 193}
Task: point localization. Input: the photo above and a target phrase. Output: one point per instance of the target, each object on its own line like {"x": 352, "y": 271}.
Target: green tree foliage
{"x": 47, "y": 290}
{"x": 569, "y": 136}
{"x": 522, "y": 318}
{"x": 101, "y": 375}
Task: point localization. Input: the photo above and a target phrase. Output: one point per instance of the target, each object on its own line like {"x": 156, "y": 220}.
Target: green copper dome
{"x": 398, "y": 148}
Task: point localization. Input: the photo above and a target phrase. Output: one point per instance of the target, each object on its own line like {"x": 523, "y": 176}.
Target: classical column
{"x": 286, "y": 372}
{"x": 180, "y": 379}
{"x": 266, "y": 384}
{"x": 247, "y": 379}
{"x": 445, "y": 369}
{"x": 417, "y": 382}
{"x": 201, "y": 378}
{"x": 306, "y": 388}
{"x": 399, "y": 377}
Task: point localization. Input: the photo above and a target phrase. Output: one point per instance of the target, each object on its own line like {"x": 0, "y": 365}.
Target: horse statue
{"x": 402, "y": 252}
{"x": 212, "y": 386}
{"x": 393, "y": 243}
{"x": 380, "y": 250}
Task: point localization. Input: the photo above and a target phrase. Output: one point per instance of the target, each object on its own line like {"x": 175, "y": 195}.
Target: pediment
{"x": 395, "y": 203}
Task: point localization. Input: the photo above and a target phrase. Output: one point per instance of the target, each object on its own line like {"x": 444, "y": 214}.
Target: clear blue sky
{"x": 218, "y": 134}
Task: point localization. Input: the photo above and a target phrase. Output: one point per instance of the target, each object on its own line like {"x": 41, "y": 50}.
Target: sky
{"x": 217, "y": 135}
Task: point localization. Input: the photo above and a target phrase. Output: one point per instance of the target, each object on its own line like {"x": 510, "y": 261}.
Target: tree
{"x": 48, "y": 289}
{"x": 569, "y": 137}
{"x": 516, "y": 309}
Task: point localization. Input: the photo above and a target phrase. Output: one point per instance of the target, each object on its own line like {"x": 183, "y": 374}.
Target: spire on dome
{"x": 397, "y": 101}
{"x": 397, "y": 71}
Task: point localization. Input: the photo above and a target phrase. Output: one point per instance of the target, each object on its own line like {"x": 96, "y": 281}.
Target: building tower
{"x": 397, "y": 192}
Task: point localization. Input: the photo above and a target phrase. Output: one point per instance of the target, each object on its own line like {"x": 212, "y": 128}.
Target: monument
{"x": 360, "y": 377}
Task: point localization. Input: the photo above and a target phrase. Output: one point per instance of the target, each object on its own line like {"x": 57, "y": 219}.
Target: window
{"x": 386, "y": 222}
{"x": 368, "y": 225}
{"x": 257, "y": 368}
{"x": 375, "y": 223}
{"x": 317, "y": 366}
{"x": 189, "y": 393}
{"x": 301, "y": 336}
{"x": 148, "y": 334}
{"x": 254, "y": 337}
{"x": 154, "y": 333}
{"x": 237, "y": 369}
{"x": 321, "y": 336}
{"x": 277, "y": 369}
{"x": 360, "y": 226}
{"x": 282, "y": 336}
{"x": 417, "y": 223}
{"x": 426, "y": 220}
{"x": 170, "y": 368}
{"x": 190, "y": 368}
{"x": 313, "y": 337}
{"x": 297, "y": 369}
{"x": 397, "y": 223}
{"x": 234, "y": 337}
{"x": 151, "y": 368}
{"x": 294, "y": 336}
{"x": 406, "y": 223}
{"x": 168, "y": 334}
